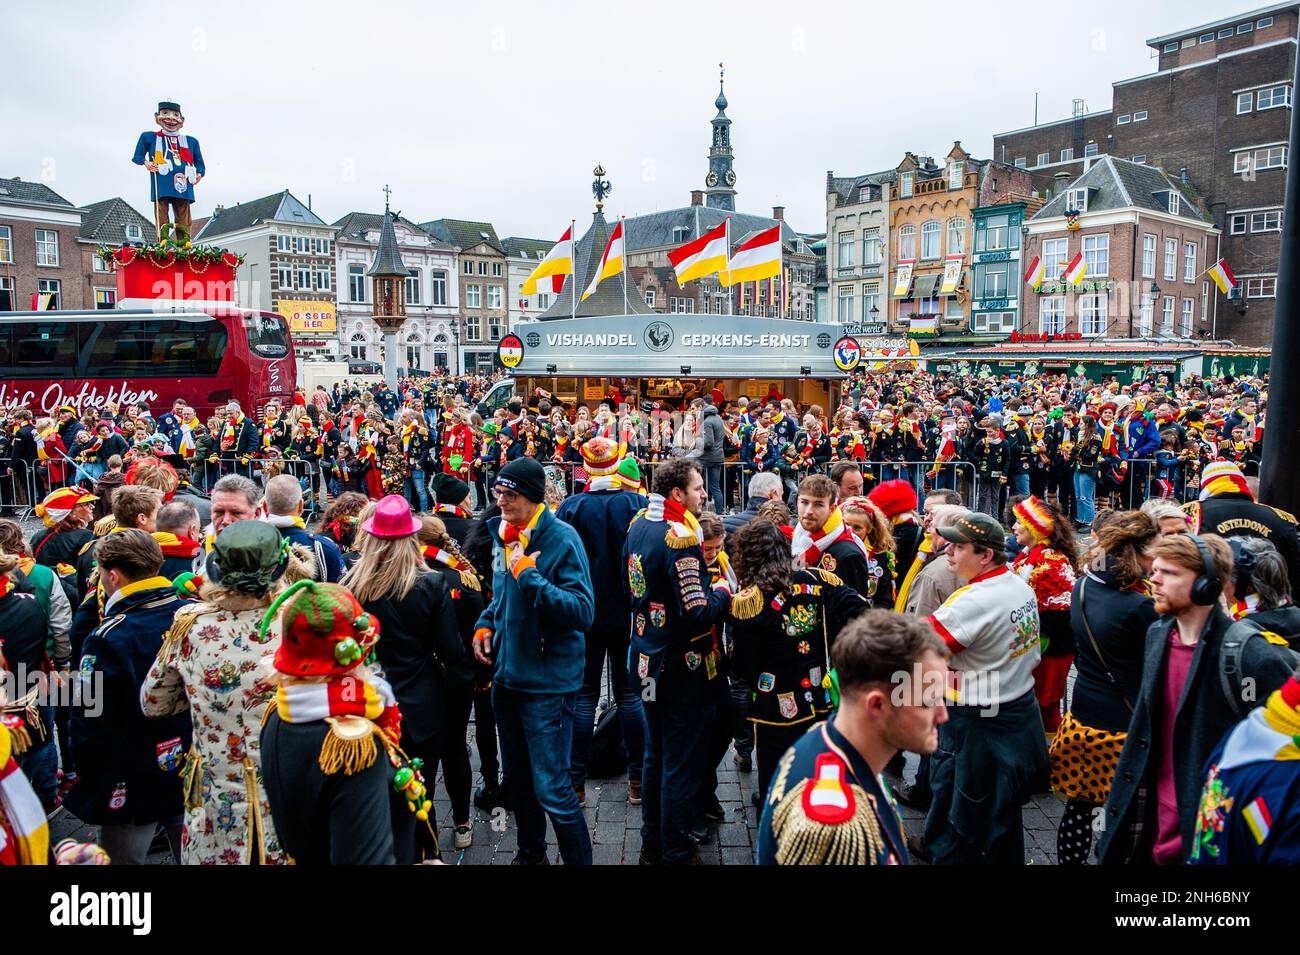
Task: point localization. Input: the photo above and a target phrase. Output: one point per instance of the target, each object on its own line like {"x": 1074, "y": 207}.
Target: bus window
{"x": 156, "y": 348}
{"x": 38, "y": 349}
{"x": 266, "y": 334}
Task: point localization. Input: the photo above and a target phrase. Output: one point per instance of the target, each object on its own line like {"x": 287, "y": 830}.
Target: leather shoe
{"x": 488, "y": 798}
{"x": 744, "y": 763}
{"x": 912, "y": 797}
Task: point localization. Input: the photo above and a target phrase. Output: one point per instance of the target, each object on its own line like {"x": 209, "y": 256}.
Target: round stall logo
{"x": 658, "y": 336}
{"x": 510, "y": 352}
{"x": 534, "y": 340}
{"x": 848, "y": 353}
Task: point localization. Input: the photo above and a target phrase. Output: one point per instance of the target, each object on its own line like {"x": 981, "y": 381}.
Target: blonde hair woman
{"x": 420, "y": 648}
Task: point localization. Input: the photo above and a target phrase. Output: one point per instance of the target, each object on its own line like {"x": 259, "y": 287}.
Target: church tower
{"x": 720, "y": 183}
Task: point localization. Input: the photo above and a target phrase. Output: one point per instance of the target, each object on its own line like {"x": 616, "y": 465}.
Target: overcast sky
{"x": 500, "y": 112}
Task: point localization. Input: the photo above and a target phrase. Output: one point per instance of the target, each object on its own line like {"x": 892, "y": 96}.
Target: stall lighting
{"x": 686, "y": 369}
{"x": 550, "y": 369}
{"x": 805, "y": 369}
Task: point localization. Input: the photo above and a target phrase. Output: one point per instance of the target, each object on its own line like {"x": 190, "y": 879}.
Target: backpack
{"x": 1233, "y": 648}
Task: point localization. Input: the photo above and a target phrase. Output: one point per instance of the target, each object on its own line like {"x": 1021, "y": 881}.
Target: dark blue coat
{"x": 601, "y": 519}
{"x": 128, "y": 766}
{"x": 328, "y": 556}
{"x": 538, "y": 620}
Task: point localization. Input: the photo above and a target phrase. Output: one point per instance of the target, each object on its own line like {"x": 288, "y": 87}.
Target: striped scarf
{"x": 301, "y": 702}
{"x": 510, "y": 533}
{"x": 444, "y": 557}
{"x": 682, "y": 521}
{"x": 455, "y": 509}
{"x": 810, "y": 548}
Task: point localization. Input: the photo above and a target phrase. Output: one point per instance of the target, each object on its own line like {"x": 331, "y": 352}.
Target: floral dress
{"x": 219, "y": 668}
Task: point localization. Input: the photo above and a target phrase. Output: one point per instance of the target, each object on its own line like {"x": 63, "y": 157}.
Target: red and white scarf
{"x": 510, "y": 533}
{"x": 446, "y": 558}
{"x": 682, "y": 521}
{"x": 453, "y": 509}
{"x": 301, "y": 702}
{"x": 811, "y": 548}
{"x": 167, "y": 146}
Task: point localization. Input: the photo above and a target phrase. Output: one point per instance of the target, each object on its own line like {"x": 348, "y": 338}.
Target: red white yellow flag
{"x": 706, "y": 255}
{"x": 757, "y": 259}
{"x": 611, "y": 263}
{"x": 1222, "y": 276}
{"x": 556, "y": 265}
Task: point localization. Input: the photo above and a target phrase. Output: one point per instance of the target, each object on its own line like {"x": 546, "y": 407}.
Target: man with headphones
{"x": 1182, "y": 710}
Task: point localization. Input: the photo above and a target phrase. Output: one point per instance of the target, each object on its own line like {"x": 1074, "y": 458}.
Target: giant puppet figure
{"x": 175, "y": 165}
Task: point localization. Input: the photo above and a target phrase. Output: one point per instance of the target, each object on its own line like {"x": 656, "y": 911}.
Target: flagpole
{"x": 727, "y": 223}
{"x": 623, "y": 229}
{"x": 573, "y": 274}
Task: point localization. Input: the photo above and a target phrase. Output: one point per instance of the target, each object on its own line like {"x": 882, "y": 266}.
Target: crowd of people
{"x": 262, "y": 662}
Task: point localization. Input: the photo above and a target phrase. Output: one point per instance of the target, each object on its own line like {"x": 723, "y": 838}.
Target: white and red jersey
{"x": 459, "y": 440}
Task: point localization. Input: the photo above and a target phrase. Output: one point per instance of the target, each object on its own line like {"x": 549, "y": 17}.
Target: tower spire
{"x": 720, "y": 182}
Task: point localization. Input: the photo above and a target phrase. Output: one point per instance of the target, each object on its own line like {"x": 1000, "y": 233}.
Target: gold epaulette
{"x": 804, "y": 841}
{"x": 469, "y": 580}
{"x": 1275, "y": 639}
{"x": 828, "y": 577}
{"x": 266, "y": 713}
{"x": 747, "y": 604}
{"x": 105, "y": 525}
{"x": 680, "y": 543}
{"x": 182, "y": 623}
{"x": 1285, "y": 515}
{"x": 349, "y": 746}
{"x": 86, "y": 546}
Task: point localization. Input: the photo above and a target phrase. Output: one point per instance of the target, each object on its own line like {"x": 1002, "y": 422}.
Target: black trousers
{"x": 742, "y": 730}
{"x": 449, "y": 748}
{"x": 485, "y": 737}
{"x": 717, "y": 743}
{"x": 770, "y": 744}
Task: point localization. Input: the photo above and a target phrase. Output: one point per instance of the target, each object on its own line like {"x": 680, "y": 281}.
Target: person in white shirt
{"x": 992, "y": 755}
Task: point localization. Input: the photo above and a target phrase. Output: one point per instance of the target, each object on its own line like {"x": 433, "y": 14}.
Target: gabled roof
{"x": 848, "y": 187}
{"x": 35, "y": 193}
{"x": 520, "y": 248}
{"x": 356, "y": 224}
{"x": 106, "y": 221}
{"x": 1115, "y": 183}
{"x": 463, "y": 233}
{"x": 280, "y": 207}
{"x": 608, "y": 297}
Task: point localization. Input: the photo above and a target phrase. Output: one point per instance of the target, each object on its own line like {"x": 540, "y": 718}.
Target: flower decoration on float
{"x": 174, "y": 247}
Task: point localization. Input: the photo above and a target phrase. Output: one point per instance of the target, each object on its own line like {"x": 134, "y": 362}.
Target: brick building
{"x": 38, "y": 247}
{"x": 1218, "y": 107}
{"x": 113, "y": 222}
{"x": 1146, "y": 244}
{"x": 484, "y": 285}
{"x": 931, "y": 219}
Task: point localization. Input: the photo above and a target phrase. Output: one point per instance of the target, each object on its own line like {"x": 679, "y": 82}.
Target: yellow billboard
{"x": 308, "y": 317}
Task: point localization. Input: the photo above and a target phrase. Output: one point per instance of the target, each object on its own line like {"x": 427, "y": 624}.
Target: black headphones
{"x": 1243, "y": 566}
{"x": 1207, "y": 586}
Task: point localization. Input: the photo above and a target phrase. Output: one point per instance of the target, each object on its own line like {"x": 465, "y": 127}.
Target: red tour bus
{"x": 155, "y": 351}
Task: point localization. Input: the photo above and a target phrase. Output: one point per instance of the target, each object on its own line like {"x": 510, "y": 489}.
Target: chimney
{"x": 697, "y": 197}
{"x": 778, "y": 213}
{"x": 1059, "y": 182}
{"x": 309, "y": 202}
{"x": 1182, "y": 175}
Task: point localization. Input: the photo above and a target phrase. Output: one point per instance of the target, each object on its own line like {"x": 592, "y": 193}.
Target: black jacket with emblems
{"x": 784, "y": 644}
{"x": 673, "y": 608}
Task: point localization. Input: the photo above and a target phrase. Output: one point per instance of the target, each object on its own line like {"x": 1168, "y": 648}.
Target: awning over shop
{"x": 924, "y": 286}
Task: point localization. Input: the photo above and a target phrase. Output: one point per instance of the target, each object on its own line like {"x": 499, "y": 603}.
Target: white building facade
{"x": 428, "y": 340}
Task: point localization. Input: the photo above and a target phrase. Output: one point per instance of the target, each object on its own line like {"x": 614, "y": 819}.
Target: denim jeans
{"x": 1020, "y": 483}
{"x": 41, "y": 763}
{"x": 713, "y": 480}
{"x": 416, "y": 491}
{"x": 1085, "y": 490}
{"x": 536, "y": 731}
{"x": 676, "y": 760}
{"x": 602, "y": 644}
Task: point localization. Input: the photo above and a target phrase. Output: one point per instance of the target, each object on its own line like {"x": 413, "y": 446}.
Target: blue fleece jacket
{"x": 538, "y": 620}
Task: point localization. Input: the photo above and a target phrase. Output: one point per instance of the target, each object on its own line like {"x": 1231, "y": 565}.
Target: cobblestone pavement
{"x": 616, "y": 825}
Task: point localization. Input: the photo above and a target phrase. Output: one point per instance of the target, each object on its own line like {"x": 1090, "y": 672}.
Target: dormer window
{"x": 955, "y": 175}
{"x": 1174, "y": 205}
{"x": 134, "y": 233}
{"x": 681, "y": 233}
{"x": 1076, "y": 200}
{"x": 905, "y": 186}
